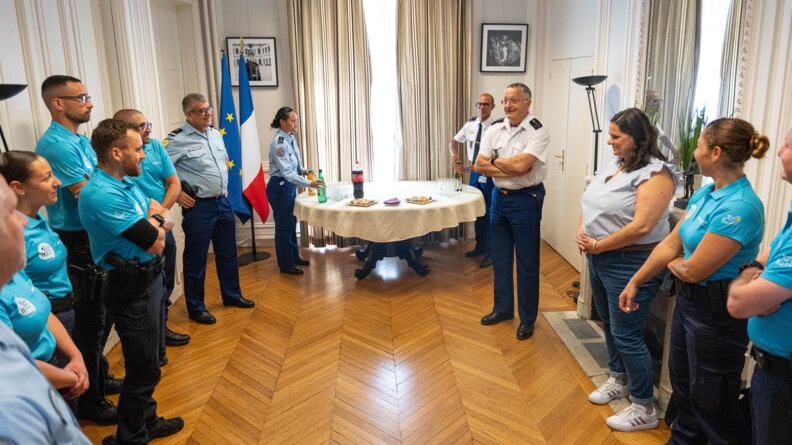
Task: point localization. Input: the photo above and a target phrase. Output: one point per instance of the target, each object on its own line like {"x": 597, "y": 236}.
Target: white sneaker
{"x": 633, "y": 418}
{"x": 610, "y": 390}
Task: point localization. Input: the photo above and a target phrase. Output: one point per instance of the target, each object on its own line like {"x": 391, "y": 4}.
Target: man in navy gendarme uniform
{"x": 127, "y": 234}
{"x": 72, "y": 160}
{"x": 199, "y": 155}
{"x": 763, "y": 292}
{"x": 471, "y": 134}
{"x": 31, "y": 410}
{"x": 514, "y": 153}
{"x": 158, "y": 180}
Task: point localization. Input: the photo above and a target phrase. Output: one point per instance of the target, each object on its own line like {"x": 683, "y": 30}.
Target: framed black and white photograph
{"x": 503, "y": 47}
{"x": 262, "y": 65}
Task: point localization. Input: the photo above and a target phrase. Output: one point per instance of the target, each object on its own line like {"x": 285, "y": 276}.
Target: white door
{"x": 176, "y": 50}
{"x": 571, "y": 145}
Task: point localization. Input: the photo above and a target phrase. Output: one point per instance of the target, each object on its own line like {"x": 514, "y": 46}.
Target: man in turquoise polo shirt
{"x": 127, "y": 234}
{"x": 158, "y": 180}
{"x": 763, "y": 292}
{"x": 73, "y": 161}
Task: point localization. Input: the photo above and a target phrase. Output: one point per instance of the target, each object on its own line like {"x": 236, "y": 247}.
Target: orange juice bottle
{"x": 311, "y": 176}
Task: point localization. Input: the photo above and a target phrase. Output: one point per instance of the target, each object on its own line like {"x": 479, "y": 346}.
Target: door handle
{"x": 562, "y": 158}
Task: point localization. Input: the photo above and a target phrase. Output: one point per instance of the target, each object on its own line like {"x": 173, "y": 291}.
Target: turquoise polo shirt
{"x": 26, "y": 310}
{"x": 733, "y": 211}
{"x": 71, "y": 158}
{"x": 46, "y": 259}
{"x": 108, "y": 207}
{"x": 154, "y": 170}
{"x": 773, "y": 333}
{"x": 199, "y": 158}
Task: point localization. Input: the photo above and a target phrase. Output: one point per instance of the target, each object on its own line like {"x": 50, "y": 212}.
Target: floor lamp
{"x": 589, "y": 82}
{"x": 8, "y": 90}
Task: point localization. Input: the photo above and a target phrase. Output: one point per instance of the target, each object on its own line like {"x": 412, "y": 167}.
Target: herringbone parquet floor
{"x": 392, "y": 359}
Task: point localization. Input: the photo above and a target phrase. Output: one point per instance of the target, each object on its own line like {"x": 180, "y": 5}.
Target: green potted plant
{"x": 690, "y": 127}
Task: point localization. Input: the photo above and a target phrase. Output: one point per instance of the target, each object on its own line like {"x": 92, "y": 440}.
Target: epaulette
{"x": 176, "y": 131}
{"x": 472, "y": 119}
{"x": 497, "y": 121}
{"x": 280, "y": 139}
{"x": 535, "y": 123}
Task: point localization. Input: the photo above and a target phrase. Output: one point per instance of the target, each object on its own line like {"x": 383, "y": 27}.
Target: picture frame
{"x": 504, "y": 47}
{"x": 260, "y": 58}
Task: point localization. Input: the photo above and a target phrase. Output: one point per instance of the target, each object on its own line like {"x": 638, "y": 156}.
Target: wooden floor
{"x": 395, "y": 359}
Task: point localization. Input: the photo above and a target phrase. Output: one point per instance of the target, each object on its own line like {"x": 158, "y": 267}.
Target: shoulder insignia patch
{"x": 498, "y": 121}
{"x": 535, "y": 123}
{"x": 472, "y": 119}
{"x": 165, "y": 142}
{"x": 280, "y": 139}
{"x": 280, "y": 152}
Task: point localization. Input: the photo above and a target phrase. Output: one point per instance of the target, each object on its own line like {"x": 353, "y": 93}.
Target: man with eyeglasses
{"x": 514, "y": 153}
{"x": 158, "y": 180}
{"x": 471, "y": 134}
{"x": 73, "y": 162}
{"x": 199, "y": 155}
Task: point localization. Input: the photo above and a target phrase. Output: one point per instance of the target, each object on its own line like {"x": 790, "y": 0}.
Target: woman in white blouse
{"x": 625, "y": 214}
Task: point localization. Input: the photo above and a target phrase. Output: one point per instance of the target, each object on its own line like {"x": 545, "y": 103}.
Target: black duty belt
{"x": 62, "y": 304}
{"x": 209, "y": 198}
{"x": 693, "y": 291}
{"x": 772, "y": 364}
{"x": 522, "y": 191}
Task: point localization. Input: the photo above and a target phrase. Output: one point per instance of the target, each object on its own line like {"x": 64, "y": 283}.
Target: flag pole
{"x": 254, "y": 255}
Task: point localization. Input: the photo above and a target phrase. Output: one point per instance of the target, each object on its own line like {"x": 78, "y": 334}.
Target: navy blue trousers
{"x": 482, "y": 224}
{"x": 516, "y": 230}
{"x": 209, "y": 220}
{"x": 281, "y": 194}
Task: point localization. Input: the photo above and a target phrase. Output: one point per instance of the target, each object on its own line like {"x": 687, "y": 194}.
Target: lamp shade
{"x": 8, "y": 90}
{"x": 589, "y": 80}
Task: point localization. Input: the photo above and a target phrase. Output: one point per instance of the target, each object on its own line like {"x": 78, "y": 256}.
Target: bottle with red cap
{"x": 357, "y": 180}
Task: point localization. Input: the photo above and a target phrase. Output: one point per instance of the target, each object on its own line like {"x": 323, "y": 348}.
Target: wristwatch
{"x": 749, "y": 264}
{"x": 468, "y": 169}
{"x": 159, "y": 218}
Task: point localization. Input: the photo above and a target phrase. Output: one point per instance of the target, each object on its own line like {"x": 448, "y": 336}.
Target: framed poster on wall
{"x": 504, "y": 47}
{"x": 260, "y": 58}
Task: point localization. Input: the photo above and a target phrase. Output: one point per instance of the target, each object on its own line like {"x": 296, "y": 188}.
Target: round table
{"x": 389, "y": 228}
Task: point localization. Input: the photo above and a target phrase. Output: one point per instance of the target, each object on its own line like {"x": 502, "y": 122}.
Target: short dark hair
{"x": 282, "y": 114}
{"x": 15, "y": 165}
{"x": 54, "y": 82}
{"x": 737, "y": 138}
{"x": 633, "y": 122}
{"x": 190, "y": 98}
{"x": 108, "y": 134}
{"x": 526, "y": 90}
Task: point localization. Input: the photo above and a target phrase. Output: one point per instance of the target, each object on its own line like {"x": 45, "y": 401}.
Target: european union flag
{"x": 228, "y": 124}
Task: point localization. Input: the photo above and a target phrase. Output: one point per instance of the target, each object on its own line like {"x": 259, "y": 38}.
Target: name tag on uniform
{"x": 482, "y": 179}
{"x": 196, "y": 148}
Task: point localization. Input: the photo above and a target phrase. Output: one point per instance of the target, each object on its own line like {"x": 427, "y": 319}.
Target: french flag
{"x": 254, "y": 188}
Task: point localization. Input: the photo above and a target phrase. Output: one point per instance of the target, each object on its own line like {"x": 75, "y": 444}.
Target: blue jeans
{"x": 515, "y": 227}
{"x": 705, "y": 361}
{"x": 482, "y": 224}
{"x": 609, "y": 273}
{"x": 281, "y": 194}
{"x": 771, "y": 408}
{"x": 209, "y": 220}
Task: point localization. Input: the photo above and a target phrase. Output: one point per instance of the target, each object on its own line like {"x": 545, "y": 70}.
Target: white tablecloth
{"x": 381, "y": 223}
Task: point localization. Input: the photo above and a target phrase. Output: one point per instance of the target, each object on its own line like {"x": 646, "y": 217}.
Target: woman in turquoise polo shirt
{"x": 23, "y": 306}
{"x": 721, "y": 230}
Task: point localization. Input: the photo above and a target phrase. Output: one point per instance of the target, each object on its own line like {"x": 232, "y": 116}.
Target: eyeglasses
{"x": 206, "y": 110}
{"x": 83, "y": 98}
{"x": 144, "y": 126}
{"x": 483, "y": 104}
{"x": 512, "y": 101}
